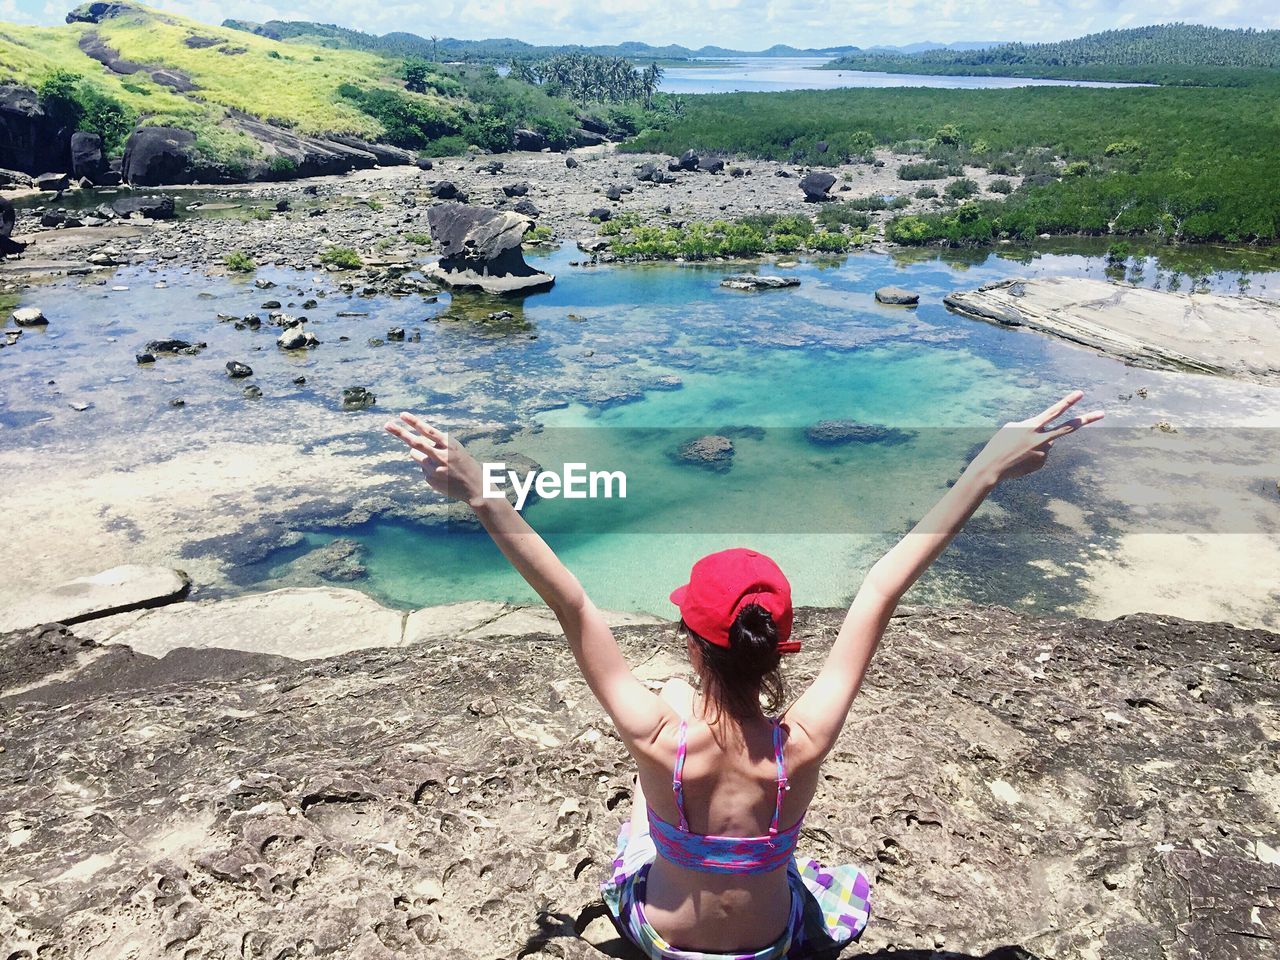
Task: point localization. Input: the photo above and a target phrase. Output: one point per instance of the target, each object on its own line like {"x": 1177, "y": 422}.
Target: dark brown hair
{"x": 734, "y": 679}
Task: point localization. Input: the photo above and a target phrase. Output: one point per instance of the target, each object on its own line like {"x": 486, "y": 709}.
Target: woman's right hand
{"x": 1021, "y": 447}
{"x": 449, "y": 469}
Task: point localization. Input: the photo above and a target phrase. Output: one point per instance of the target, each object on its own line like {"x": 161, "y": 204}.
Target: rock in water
{"x": 896, "y": 295}
{"x": 481, "y": 250}
{"x": 816, "y": 186}
{"x": 749, "y": 281}
{"x": 712, "y": 452}
{"x": 357, "y": 398}
{"x": 173, "y": 347}
{"x": 297, "y": 337}
{"x": 113, "y": 591}
{"x": 154, "y": 208}
{"x": 236, "y": 370}
{"x": 29, "y": 317}
{"x": 834, "y": 433}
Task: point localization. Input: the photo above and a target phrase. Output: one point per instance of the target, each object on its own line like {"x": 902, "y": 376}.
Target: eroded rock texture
{"x": 1072, "y": 789}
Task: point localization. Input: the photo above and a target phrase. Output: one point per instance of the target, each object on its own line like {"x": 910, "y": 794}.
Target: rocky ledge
{"x": 1230, "y": 336}
{"x": 1015, "y": 787}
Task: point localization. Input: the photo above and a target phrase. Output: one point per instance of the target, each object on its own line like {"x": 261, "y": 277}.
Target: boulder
{"x": 113, "y": 591}
{"x": 153, "y": 208}
{"x": 14, "y": 179}
{"x": 518, "y": 189}
{"x": 688, "y": 161}
{"x": 710, "y": 164}
{"x": 592, "y": 123}
{"x": 652, "y": 173}
{"x": 445, "y": 190}
{"x": 29, "y": 317}
{"x": 237, "y": 370}
{"x": 425, "y": 163}
{"x": 8, "y": 217}
{"x": 712, "y": 452}
{"x": 896, "y": 295}
{"x": 587, "y": 138}
{"x": 86, "y": 155}
{"x": 528, "y": 208}
{"x": 297, "y": 337}
{"x": 613, "y": 192}
{"x": 158, "y": 155}
{"x": 600, "y": 213}
{"x": 51, "y": 182}
{"x": 30, "y": 141}
{"x": 173, "y": 347}
{"x": 834, "y": 433}
{"x": 529, "y": 140}
{"x": 751, "y": 281}
{"x": 817, "y": 186}
{"x": 482, "y": 249}
{"x": 571, "y": 162}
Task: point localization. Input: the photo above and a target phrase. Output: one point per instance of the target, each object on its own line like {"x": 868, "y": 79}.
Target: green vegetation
{"x": 1175, "y": 163}
{"x": 587, "y": 78}
{"x": 73, "y": 101}
{"x": 419, "y": 239}
{"x": 539, "y": 235}
{"x": 999, "y": 185}
{"x": 343, "y": 258}
{"x": 751, "y": 236}
{"x": 929, "y": 193}
{"x": 927, "y": 170}
{"x": 240, "y": 262}
{"x": 1177, "y": 53}
{"x": 961, "y": 189}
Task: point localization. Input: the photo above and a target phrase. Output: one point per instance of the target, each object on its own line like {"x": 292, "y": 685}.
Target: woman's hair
{"x": 736, "y": 678}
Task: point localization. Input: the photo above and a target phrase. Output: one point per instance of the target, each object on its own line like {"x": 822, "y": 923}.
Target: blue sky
{"x": 744, "y": 24}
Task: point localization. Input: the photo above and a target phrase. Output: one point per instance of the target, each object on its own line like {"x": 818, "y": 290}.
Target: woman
{"x": 706, "y": 866}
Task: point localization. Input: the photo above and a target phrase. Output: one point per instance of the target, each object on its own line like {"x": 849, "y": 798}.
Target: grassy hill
{"x": 309, "y": 89}
{"x": 1178, "y": 53}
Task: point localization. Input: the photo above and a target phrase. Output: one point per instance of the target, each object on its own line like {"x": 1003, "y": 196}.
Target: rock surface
{"x": 1231, "y": 336}
{"x": 1082, "y": 789}
{"x": 751, "y": 281}
{"x": 713, "y": 452}
{"x": 122, "y": 588}
{"x": 482, "y": 249}
{"x": 897, "y": 296}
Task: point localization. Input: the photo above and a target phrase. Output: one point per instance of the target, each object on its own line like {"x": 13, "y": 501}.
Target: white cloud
{"x": 747, "y": 24}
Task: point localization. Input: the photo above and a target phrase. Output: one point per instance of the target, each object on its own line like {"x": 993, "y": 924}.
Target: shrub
{"x": 1000, "y": 185}
{"x": 283, "y": 166}
{"x": 1118, "y": 253}
{"x": 833, "y": 216}
{"x": 409, "y": 121}
{"x": 73, "y": 101}
{"x": 962, "y": 188}
{"x": 825, "y": 242}
{"x": 239, "y": 262}
{"x": 1076, "y": 169}
{"x": 928, "y": 170}
{"x": 907, "y": 230}
{"x": 421, "y": 239}
{"x": 1121, "y": 147}
{"x": 948, "y": 134}
{"x": 344, "y": 258}
{"x": 926, "y": 192}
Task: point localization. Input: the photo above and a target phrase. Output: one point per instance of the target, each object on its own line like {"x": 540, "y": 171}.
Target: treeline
{"x": 587, "y": 78}
{"x": 1191, "y": 164}
{"x": 1156, "y": 54}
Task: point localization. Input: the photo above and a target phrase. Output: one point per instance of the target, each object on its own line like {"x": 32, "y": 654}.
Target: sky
{"x": 738, "y": 24}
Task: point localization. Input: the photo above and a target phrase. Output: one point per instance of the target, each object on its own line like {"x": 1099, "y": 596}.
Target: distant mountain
{"x": 1176, "y": 44}
{"x": 498, "y": 49}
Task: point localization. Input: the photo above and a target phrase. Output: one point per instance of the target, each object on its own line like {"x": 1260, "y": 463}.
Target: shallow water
{"x": 616, "y": 366}
{"x": 771, "y": 74}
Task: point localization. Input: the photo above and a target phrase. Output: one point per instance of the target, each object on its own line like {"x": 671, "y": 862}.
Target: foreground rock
{"x": 749, "y": 281}
{"x": 1084, "y": 789}
{"x": 897, "y": 296}
{"x": 817, "y": 186}
{"x": 1198, "y": 332}
{"x": 113, "y": 591}
{"x": 482, "y": 250}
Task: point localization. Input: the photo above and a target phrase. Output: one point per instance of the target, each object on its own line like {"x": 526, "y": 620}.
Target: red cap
{"x": 721, "y": 584}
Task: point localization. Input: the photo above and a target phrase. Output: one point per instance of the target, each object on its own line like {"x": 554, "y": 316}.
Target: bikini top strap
{"x": 783, "y": 785}
{"x": 677, "y": 776}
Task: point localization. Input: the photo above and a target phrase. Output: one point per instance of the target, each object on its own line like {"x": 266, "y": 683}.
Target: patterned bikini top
{"x": 696, "y": 851}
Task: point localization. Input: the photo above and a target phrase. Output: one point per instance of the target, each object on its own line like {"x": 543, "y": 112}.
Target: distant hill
{"x": 497, "y": 49}
{"x": 1125, "y": 52}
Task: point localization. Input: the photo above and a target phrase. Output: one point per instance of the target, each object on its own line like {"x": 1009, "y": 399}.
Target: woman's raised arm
{"x": 637, "y": 712}
{"x": 1016, "y": 450}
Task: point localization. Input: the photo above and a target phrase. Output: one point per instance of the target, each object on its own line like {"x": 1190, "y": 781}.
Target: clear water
{"x": 615, "y": 367}
{"x": 771, "y": 74}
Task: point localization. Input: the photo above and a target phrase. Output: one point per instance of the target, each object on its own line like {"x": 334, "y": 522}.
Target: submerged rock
{"x": 173, "y": 347}
{"x": 832, "y": 433}
{"x": 357, "y": 398}
{"x": 713, "y": 452}
{"x": 750, "y": 281}
{"x": 481, "y": 249}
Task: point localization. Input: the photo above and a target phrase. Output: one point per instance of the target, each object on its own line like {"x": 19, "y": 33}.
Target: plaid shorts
{"x": 830, "y": 906}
